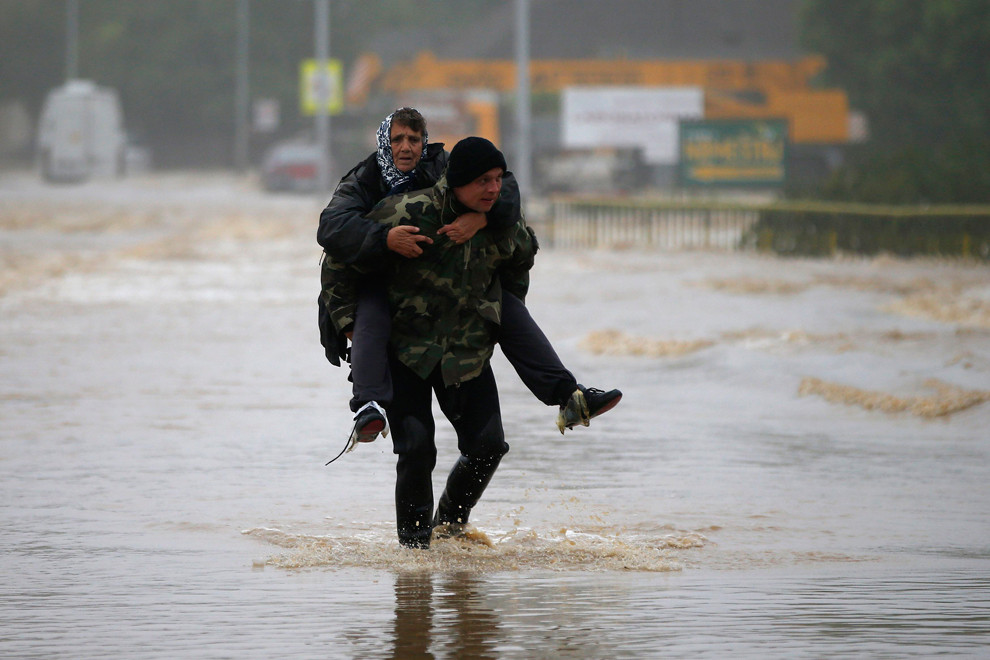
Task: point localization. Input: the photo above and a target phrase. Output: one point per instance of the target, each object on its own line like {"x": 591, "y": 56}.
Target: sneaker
{"x": 585, "y": 404}
{"x": 369, "y": 421}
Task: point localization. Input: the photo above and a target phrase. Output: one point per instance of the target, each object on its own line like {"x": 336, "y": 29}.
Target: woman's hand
{"x": 403, "y": 240}
{"x": 464, "y": 227}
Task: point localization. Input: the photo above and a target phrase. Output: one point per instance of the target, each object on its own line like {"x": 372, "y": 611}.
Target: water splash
{"x": 483, "y": 552}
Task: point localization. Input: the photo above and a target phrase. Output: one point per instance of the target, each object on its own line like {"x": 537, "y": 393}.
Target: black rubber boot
{"x": 465, "y": 485}
{"x": 414, "y": 502}
{"x": 414, "y": 525}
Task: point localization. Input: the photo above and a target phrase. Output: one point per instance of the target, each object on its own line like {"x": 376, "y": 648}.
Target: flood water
{"x": 799, "y": 467}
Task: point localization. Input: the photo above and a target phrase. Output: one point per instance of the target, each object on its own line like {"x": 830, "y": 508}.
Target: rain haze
{"x": 763, "y": 225}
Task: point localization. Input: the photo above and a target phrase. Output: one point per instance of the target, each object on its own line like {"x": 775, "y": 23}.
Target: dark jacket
{"x": 447, "y": 303}
{"x": 348, "y": 237}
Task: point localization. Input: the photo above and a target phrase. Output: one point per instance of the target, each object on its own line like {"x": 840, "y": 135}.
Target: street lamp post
{"x": 241, "y": 135}
{"x": 322, "y": 39}
{"x": 523, "y": 146}
{"x": 71, "y": 39}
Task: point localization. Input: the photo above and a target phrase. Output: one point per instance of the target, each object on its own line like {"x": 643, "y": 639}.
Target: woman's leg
{"x": 369, "y": 347}
{"x": 531, "y": 354}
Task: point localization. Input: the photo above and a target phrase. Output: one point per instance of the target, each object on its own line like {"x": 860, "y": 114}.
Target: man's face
{"x": 482, "y": 193}
{"x": 407, "y": 147}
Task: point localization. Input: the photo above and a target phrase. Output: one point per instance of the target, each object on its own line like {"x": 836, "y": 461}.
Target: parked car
{"x": 291, "y": 165}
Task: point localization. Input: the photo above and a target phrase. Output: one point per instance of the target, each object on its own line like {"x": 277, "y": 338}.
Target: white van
{"x": 81, "y": 133}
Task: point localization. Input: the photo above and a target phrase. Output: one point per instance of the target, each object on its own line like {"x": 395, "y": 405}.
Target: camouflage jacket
{"x": 446, "y": 303}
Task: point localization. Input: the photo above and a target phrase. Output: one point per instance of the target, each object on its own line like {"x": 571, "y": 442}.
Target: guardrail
{"x": 787, "y": 228}
{"x": 673, "y": 227}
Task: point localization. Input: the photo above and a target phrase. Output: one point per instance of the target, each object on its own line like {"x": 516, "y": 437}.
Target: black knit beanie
{"x": 470, "y": 158}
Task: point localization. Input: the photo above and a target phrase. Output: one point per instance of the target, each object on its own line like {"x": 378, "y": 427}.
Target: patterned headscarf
{"x": 394, "y": 179}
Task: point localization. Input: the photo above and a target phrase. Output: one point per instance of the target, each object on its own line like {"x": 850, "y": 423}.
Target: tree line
{"x": 920, "y": 71}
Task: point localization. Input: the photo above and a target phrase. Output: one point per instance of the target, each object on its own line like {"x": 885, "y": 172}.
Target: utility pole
{"x": 242, "y": 95}
{"x": 523, "y": 121}
{"x": 322, "y": 39}
{"x": 71, "y": 39}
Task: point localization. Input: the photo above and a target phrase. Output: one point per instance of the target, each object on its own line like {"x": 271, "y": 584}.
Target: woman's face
{"x": 407, "y": 147}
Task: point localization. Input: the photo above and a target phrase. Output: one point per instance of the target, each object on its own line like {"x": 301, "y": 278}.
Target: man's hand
{"x": 464, "y": 227}
{"x": 403, "y": 240}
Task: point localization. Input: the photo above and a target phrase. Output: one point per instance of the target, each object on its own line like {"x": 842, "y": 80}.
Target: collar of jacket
{"x": 429, "y": 169}
{"x": 451, "y": 208}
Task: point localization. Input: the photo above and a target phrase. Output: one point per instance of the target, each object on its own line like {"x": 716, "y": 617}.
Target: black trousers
{"x": 532, "y": 355}
{"x": 473, "y": 410}
{"x": 369, "y": 346}
{"x": 525, "y": 346}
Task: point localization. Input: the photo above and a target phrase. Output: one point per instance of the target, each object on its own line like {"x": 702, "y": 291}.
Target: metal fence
{"x": 789, "y": 228}
{"x": 584, "y": 224}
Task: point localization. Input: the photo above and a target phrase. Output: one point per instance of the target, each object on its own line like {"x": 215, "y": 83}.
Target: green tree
{"x": 920, "y": 71}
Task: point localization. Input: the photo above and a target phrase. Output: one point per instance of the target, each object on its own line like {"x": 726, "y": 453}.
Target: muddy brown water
{"x": 166, "y": 413}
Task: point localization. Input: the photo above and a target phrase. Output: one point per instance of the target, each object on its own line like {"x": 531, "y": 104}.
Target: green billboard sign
{"x": 733, "y": 152}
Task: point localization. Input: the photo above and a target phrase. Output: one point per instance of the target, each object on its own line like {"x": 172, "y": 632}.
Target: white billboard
{"x": 644, "y": 117}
